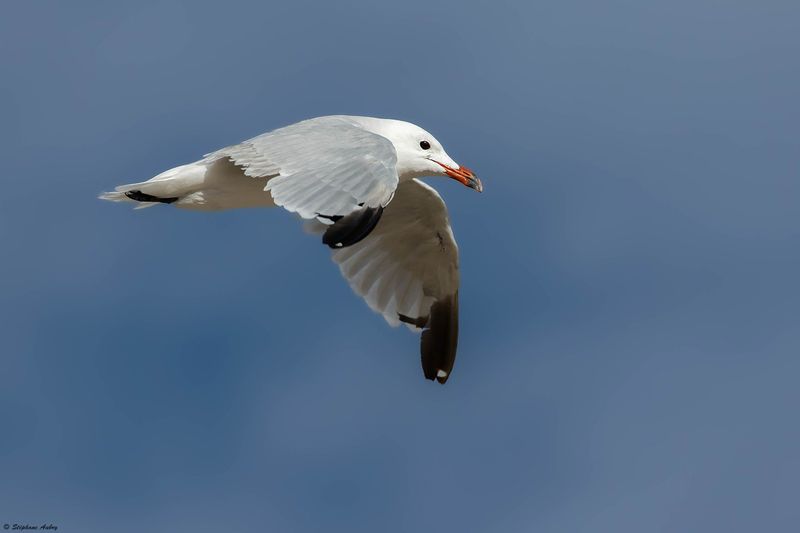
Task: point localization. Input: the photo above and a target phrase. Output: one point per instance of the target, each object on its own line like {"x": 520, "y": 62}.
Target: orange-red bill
{"x": 463, "y": 175}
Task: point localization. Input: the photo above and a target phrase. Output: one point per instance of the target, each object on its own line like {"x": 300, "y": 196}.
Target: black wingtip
{"x": 440, "y": 340}
{"x": 140, "y": 196}
{"x": 350, "y": 229}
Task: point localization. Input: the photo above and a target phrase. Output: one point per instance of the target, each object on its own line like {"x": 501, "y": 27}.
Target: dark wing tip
{"x": 440, "y": 339}
{"x": 419, "y": 322}
{"x": 350, "y": 229}
{"x": 140, "y": 196}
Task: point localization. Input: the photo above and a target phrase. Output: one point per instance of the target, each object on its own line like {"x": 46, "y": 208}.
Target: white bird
{"x": 356, "y": 179}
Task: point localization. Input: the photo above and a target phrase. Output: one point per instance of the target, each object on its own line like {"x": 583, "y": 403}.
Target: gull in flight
{"x": 356, "y": 179}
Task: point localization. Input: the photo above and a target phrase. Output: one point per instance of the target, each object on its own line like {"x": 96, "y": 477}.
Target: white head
{"x": 418, "y": 152}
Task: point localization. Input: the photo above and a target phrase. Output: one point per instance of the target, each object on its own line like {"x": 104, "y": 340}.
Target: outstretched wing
{"x": 407, "y": 270}
{"x": 324, "y": 168}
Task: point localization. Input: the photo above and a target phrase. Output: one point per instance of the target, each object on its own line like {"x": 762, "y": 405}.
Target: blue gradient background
{"x": 630, "y": 299}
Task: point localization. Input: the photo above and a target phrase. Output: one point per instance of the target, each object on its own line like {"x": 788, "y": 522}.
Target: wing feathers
{"x": 328, "y": 165}
{"x": 407, "y": 270}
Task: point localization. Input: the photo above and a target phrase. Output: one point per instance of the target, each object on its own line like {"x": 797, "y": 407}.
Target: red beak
{"x": 463, "y": 175}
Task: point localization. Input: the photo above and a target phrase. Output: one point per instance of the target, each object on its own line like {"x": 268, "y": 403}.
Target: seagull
{"x": 356, "y": 181}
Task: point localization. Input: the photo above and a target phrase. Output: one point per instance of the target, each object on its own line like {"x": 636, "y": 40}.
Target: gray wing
{"x": 325, "y": 167}
{"x": 407, "y": 270}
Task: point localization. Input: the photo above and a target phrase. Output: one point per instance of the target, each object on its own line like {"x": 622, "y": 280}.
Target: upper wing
{"x": 325, "y": 167}
{"x": 407, "y": 270}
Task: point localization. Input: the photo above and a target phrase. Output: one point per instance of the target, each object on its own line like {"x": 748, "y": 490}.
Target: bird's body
{"x": 355, "y": 178}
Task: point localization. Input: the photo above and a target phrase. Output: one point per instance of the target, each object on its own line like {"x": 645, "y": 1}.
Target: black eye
{"x": 425, "y": 145}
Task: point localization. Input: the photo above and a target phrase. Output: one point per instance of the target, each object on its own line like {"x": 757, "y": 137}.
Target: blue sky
{"x": 629, "y": 334}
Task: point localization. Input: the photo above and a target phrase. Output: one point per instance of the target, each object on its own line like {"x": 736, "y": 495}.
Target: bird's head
{"x": 420, "y": 154}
